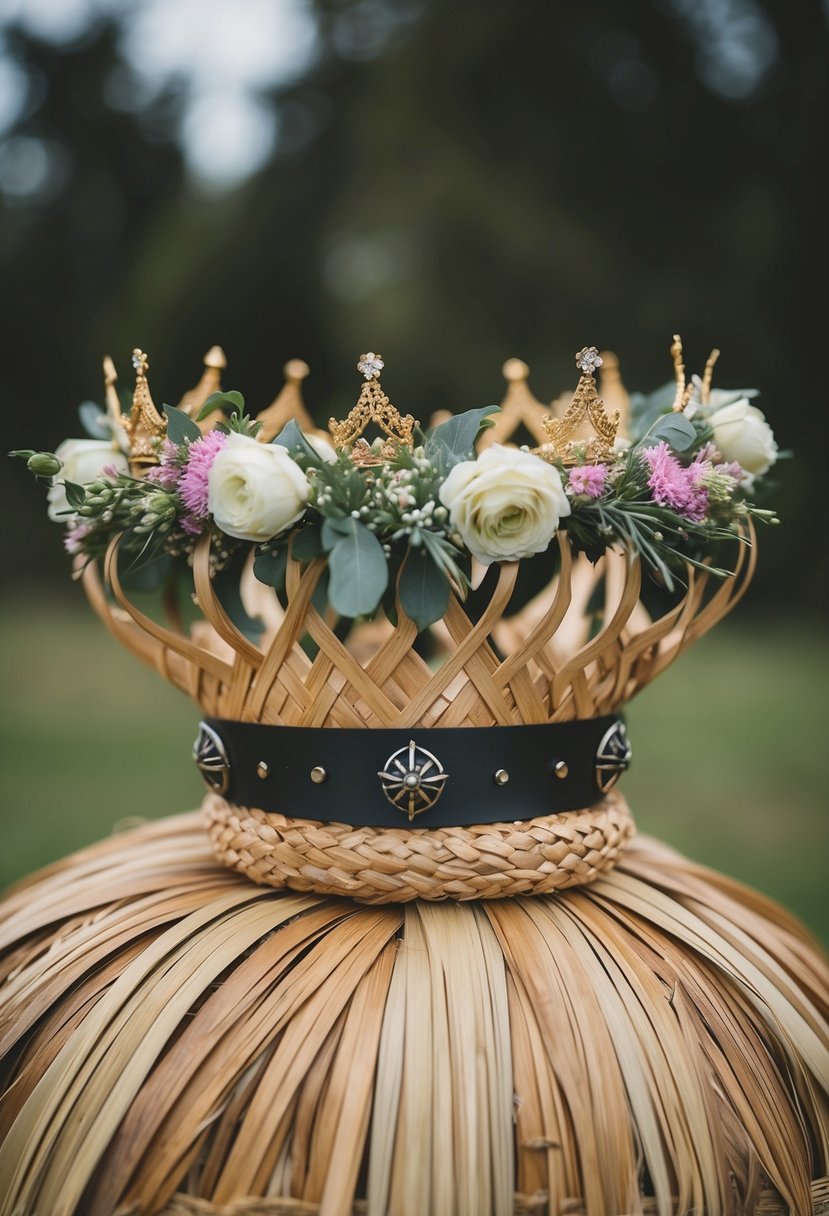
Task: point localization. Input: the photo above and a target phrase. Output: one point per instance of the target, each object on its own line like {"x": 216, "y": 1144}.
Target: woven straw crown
{"x": 581, "y": 647}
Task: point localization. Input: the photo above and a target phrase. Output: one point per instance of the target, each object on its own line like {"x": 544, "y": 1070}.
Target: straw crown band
{"x": 438, "y": 777}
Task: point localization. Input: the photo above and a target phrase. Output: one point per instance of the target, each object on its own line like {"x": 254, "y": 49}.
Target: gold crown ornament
{"x": 370, "y": 670}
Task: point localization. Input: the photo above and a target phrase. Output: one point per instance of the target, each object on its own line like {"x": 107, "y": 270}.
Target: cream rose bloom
{"x": 255, "y": 490}
{"x": 506, "y": 505}
{"x": 323, "y": 448}
{"x": 83, "y": 461}
{"x": 741, "y": 433}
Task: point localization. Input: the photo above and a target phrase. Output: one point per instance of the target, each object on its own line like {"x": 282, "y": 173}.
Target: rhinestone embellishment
{"x": 370, "y": 365}
{"x": 413, "y": 779}
{"x": 588, "y": 359}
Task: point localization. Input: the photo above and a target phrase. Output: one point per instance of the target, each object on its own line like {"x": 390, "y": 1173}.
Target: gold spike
{"x": 215, "y": 362}
{"x": 612, "y": 390}
{"x": 683, "y": 390}
{"x": 288, "y": 404}
{"x": 708, "y": 376}
{"x": 113, "y": 401}
{"x": 145, "y": 427}
{"x": 561, "y": 442}
{"x": 372, "y": 406}
{"x": 519, "y": 408}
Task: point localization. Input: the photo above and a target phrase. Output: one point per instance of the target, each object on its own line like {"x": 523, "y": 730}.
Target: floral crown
{"x": 414, "y": 580}
{"x": 411, "y": 512}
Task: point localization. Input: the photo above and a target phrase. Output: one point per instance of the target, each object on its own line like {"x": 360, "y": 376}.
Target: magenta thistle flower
{"x": 192, "y": 525}
{"x": 166, "y": 472}
{"x": 675, "y": 486}
{"x": 192, "y": 481}
{"x": 162, "y": 475}
{"x": 589, "y": 479}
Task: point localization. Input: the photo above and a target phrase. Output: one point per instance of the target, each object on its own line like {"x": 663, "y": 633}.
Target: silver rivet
{"x": 262, "y": 769}
{"x": 318, "y": 774}
{"x": 561, "y": 770}
{"x": 501, "y": 776}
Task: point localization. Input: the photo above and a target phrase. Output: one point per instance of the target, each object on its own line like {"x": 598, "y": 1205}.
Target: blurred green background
{"x": 452, "y": 184}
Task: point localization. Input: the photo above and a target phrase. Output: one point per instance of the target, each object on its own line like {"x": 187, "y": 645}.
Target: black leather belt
{"x": 427, "y": 778}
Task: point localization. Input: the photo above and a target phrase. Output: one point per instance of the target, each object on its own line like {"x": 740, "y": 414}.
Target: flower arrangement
{"x": 408, "y": 514}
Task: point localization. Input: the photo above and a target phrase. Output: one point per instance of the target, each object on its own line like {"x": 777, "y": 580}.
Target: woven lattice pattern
{"x": 559, "y": 658}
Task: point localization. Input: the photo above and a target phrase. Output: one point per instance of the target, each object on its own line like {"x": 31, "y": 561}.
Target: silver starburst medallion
{"x": 413, "y": 779}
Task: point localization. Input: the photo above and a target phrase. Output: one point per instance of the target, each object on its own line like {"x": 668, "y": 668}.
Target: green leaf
{"x": 333, "y": 530}
{"x": 269, "y": 566}
{"x": 645, "y": 408}
{"x": 137, "y": 575}
{"x": 226, "y": 586}
{"x": 423, "y": 588}
{"x": 359, "y": 574}
{"x": 307, "y": 544}
{"x": 94, "y": 421}
{"x": 454, "y": 440}
{"x": 233, "y": 402}
{"x": 180, "y": 426}
{"x": 674, "y": 429}
{"x": 75, "y": 494}
{"x": 292, "y": 438}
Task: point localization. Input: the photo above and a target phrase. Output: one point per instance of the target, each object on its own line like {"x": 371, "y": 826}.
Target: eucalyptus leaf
{"x": 180, "y": 426}
{"x": 226, "y": 587}
{"x": 454, "y": 440}
{"x": 674, "y": 429}
{"x": 233, "y": 402}
{"x": 94, "y": 420}
{"x": 269, "y": 566}
{"x": 333, "y": 530}
{"x": 307, "y": 544}
{"x": 359, "y": 574}
{"x": 423, "y": 588}
{"x": 292, "y": 438}
{"x": 645, "y": 408}
{"x": 136, "y": 574}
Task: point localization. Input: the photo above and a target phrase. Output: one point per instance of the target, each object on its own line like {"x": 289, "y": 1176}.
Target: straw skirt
{"x": 174, "y": 1038}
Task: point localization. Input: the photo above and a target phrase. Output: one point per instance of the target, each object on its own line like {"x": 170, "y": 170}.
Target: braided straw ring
{"x": 395, "y": 865}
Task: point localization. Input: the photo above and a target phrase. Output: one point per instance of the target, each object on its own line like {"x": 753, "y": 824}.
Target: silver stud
{"x": 262, "y": 770}
{"x": 561, "y": 770}
{"x": 501, "y": 776}
{"x": 318, "y": 774}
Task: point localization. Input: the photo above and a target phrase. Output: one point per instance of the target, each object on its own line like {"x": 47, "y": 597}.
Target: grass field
{"x": 730, "y": 749}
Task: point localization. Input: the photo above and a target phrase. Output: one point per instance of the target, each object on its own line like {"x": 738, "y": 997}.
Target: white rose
{"x": 741, "y": 433}
{"x": 255, "y": 490}
{"x": 322, "y": 448}
{"x": 83, "y": 461}
{"x": 506, "y": 505}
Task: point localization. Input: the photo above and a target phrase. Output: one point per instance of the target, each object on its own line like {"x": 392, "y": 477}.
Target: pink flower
{"x": 162, "y": 475}
{"x": 589, "y": 479}
{"x": 73, "y": 540}
{"x": 192, "y": 481}
{"x": 675, "y": 486}
{"x": 166, "y": 472}
{"x": 190, "y": 524}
